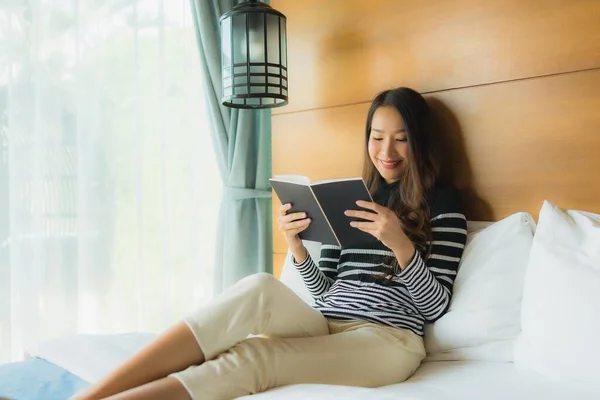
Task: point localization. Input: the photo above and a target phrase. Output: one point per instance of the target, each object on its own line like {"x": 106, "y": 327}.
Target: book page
{"x": 299, "y": 179}
{"x": 325, "y": 181}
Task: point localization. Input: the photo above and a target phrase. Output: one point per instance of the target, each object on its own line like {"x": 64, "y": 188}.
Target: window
{"x": 109, "y": 189}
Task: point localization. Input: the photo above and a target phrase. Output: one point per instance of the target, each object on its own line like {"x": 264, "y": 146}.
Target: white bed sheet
{"x": 92, "y": 356}
{"x": 448, "y": 380}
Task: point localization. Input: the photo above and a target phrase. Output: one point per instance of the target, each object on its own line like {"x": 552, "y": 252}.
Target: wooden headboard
{"x": 514, "y": 85}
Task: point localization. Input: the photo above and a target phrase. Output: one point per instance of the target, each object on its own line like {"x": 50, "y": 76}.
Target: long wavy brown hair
{"x": 408, "y": 199}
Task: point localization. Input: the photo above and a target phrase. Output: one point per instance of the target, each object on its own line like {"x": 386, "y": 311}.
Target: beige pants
{"x": 296, "y": 345}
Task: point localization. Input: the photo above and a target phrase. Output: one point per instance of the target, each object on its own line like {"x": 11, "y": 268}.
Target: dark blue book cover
{"x": 325, "y": 203}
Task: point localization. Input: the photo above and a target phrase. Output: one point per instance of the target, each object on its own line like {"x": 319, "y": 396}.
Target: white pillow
{"x": 484, "y": 316}
{"x": 561, "y": 298}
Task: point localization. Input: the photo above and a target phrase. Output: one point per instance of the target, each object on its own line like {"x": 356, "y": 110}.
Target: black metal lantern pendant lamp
{"x": 254, "y": 56}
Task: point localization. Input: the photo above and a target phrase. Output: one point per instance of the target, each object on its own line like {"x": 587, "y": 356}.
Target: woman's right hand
{"x": 291, "y": 225}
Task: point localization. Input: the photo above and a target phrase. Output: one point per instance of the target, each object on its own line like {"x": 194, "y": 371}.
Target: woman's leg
{"x": 165, "y": 388}
{"x": 367, "y": 355}
{"x": 258, "y": 304}
{"x": 174, "y": 350}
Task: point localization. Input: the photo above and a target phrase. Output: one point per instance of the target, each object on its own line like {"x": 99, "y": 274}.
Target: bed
{"x": 64, "y": 366}
{"x": 495, "y": 341}
{"x": 471, "y": 349}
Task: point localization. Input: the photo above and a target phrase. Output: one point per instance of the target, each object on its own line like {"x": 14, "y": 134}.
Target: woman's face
{"x": 388, "y": 143}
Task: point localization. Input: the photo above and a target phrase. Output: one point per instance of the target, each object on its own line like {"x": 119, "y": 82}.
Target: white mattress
{"x": 92, "y": 356}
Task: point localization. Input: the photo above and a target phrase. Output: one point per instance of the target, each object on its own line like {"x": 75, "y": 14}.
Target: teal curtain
{"x": 242, "y": 142}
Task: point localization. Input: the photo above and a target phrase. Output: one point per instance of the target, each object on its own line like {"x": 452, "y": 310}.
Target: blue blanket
{"x": 35, "y": 379}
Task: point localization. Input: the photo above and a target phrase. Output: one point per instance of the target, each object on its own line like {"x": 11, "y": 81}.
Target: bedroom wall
{"x": 514, "y": 86}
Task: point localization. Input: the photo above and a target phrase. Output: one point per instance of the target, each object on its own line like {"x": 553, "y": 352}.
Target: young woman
{"x": 370, "y": 302}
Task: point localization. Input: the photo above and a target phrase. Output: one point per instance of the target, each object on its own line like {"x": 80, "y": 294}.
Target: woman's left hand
{"x": 384, "y": 225}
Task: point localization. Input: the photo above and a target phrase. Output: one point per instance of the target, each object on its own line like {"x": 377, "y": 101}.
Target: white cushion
{"x": 483, "y": 320}
{"x": 561, "y": 298}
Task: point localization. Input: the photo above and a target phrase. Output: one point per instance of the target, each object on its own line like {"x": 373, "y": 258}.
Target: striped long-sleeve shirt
{"x": 347, "y": 282}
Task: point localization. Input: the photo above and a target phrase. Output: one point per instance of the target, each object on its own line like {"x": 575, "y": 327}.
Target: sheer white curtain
{"x": 109, "y": 188}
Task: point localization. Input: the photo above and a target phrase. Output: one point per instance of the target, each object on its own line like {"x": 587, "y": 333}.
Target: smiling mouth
{"x": 389, "y": 164}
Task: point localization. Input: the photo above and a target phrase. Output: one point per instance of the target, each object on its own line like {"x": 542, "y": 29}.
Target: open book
{"x": 324, "y": 202}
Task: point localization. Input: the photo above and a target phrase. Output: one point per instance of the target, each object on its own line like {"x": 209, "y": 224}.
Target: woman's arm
{"x": 430, "y": 281}
{"x": 319, "y": 279}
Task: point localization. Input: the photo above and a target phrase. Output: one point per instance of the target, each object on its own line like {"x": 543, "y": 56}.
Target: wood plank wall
{"x": 515, "y": 88}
